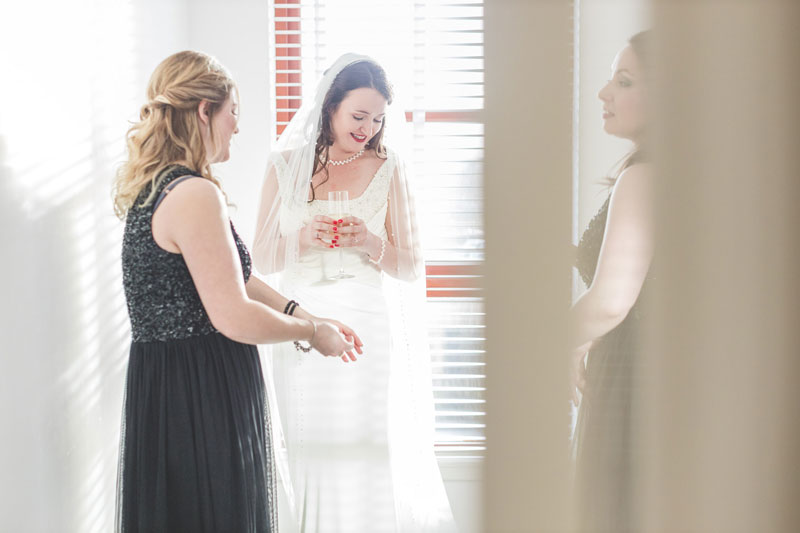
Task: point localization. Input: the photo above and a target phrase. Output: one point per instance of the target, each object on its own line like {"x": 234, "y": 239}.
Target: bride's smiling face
{"x": 358, "y": 119}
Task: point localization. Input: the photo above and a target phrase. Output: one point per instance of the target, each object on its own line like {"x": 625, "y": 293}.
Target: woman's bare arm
{"x": 193, "y": 221}
{"x": 624, "y": 260}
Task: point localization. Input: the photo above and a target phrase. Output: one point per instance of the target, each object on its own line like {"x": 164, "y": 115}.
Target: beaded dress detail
{"x": 162, "y": 300}
{"x": 195, "y": 446}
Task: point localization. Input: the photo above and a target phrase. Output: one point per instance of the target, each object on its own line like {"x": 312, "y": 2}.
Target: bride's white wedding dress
{"x": 350, "y": 471}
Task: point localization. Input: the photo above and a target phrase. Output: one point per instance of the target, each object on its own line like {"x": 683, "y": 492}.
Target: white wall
{"x": 74, "y": 73}
{"x": 235, "y": 32}
{"x": 463, "y": 480}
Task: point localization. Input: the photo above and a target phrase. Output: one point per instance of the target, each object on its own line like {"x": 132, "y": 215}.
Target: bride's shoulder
{"x": 389, "y": 153}
{"x": 390, "y": 156}
{"x": 397, "y": 162}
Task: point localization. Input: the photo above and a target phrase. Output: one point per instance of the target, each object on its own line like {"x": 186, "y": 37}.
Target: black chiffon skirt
{"x": 607, "y": 455}
{"x": 196, "y": 450}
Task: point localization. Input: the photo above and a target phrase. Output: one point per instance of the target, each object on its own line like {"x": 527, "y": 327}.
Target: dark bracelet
{"x": 291, "y": 305}
{"x": 299, "y": 347}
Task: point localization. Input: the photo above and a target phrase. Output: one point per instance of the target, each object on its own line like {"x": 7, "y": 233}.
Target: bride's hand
{"x": 319, "y": 232}
{"x": 353, "y": 233}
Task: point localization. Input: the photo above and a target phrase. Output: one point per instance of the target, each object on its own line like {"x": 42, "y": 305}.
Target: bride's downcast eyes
{"x": 376, "y": 121}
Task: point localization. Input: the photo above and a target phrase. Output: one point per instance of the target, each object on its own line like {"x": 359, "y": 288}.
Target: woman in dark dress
{"x": 196, "y": 450}
{"x": 614, "y": 258}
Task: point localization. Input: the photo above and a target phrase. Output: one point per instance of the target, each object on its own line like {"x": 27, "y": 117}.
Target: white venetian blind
{"x": 433, "y": 53}
{"x": 448, "y": 137}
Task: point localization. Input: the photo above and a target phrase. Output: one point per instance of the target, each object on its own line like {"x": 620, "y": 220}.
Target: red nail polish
{"x": 335, "y": 228}
{"x": 340, "y": 221}
{"x": 331, "y": 246}
{"x": 336, "y": 245}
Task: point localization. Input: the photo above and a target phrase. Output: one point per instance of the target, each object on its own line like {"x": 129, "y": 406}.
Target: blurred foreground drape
{"x": 723, "y": 431}
{"x": 527, "y": 184}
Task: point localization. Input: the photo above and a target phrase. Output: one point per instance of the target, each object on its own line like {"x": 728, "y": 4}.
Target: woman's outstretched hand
{"x": 329, "y": 341}
{"x": 351, "y": 337}
{"x": 335, "y": 339}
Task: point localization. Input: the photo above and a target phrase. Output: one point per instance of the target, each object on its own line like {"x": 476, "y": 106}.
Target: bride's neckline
{"x": 371, "y": 181}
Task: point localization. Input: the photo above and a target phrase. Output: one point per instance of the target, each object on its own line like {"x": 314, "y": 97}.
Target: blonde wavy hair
{"x": 169, "y": 129}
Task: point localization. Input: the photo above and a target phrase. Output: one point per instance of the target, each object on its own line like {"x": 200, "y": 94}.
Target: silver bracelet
{"x": 380, "y": 257}
{"x": 306, "y": 349}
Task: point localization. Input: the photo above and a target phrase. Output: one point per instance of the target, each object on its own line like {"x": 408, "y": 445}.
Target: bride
{"x": 358, "y": 436}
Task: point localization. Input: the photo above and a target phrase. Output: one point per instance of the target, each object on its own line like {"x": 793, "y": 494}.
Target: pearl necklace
{"x": 348, "y": 160}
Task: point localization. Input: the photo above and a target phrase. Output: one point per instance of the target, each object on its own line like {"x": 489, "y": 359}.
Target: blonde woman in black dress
{"x": 614, "y": 258}
{"x": 196, "y": 450}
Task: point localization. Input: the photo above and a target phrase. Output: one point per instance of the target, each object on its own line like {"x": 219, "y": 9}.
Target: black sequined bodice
{"x": 589, "y": 248}
{"x": 163, "y": 303}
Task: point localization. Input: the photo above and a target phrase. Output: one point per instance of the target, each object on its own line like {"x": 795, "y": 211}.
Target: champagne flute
{"x": 339, "y": 207}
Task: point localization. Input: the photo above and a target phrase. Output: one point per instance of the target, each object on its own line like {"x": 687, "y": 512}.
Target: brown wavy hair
{"x": 168, "y": 129}
{"x": 357, "y": 75}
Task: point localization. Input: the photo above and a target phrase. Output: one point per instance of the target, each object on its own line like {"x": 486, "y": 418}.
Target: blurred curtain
{"x": 723, "y": 432}
{"x": 528, "y": 116}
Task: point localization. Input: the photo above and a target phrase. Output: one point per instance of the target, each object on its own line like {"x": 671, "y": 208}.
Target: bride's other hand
{"x": 318, "y": 233}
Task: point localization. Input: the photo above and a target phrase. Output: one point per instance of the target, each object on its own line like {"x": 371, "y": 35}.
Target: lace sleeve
{"x": 276, "y": 239}
{"x": 402, "y": 228}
